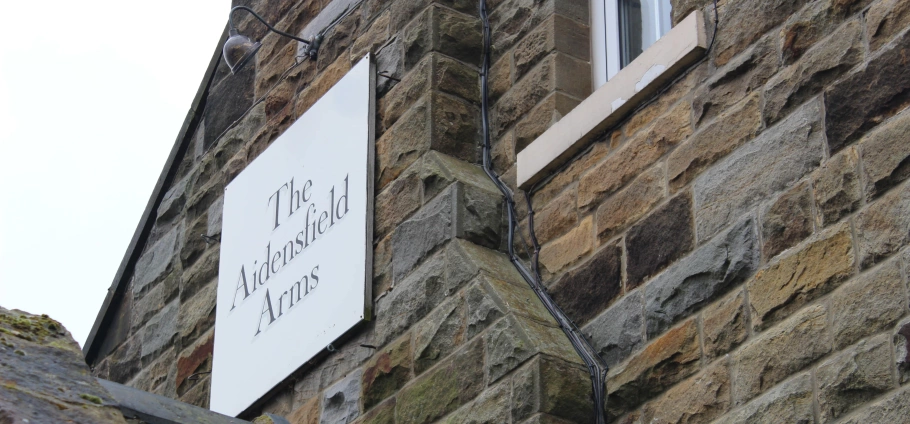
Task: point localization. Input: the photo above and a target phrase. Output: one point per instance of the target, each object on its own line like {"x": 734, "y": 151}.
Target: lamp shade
{"x": 238, "y": 50}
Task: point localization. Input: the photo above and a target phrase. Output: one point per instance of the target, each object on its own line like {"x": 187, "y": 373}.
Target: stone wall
{"x": 734, "y": 248}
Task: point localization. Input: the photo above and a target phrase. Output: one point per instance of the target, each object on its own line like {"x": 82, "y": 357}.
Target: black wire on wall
{"x": 597, "y": 367}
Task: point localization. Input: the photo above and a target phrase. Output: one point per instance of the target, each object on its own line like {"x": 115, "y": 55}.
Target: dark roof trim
{"x": 184, "y": 138}
{"x": 155, "y": 409}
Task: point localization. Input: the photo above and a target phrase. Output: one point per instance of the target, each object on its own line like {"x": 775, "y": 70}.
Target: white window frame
{"x": 606, "y": 59}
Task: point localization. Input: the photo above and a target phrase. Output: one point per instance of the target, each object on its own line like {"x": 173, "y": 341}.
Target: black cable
{"x": 597, "y": 367}
{"x": 713, "y": 36}
{"x": 271, "y": 28}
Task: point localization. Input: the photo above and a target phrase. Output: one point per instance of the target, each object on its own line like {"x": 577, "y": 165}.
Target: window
{"x": 621, "y": 30}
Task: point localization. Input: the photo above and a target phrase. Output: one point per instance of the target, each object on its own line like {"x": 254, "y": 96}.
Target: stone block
{"x": 321, "y": 84}
{"x": 587, "y": 290}
{"x": 372, "y": 39}
{"x": 630, "y": 204}
{"x": 555, "y": 33}
{"x": 854, "y": 376}
{"x": 618, "y": 331}
{"x": 713, "y": 141}
{"x": 439, "y": 334}
{"x": 525, "y": 391}
{"x": 557, "y": 72}
{"x": 200, "y": 394}
{"x": 724, "y": 325}
{"x": 192, "y": 245}
{"x": 507, "y": 347}
{"x": 341, "y": 401}
{"x": 820, "y": 66}
{"x": 438, "y": 171}
{"x": 389, "y": 59}
{"x": 747, "y": 21}
{"x": 480, "y": 310}
{"x": 386, "y": 372}
{"x": 451, "y": 384}
{"x": 158, "y": 334}
{"x": 491, "y": 406}
{"x": 698, "y": 399}
{"x": 757, "y": 170}
{"x": 637, "y": 154}
{"x": 881, "y": 229}
{"x": 124, "y": 362}
{"x": 201, "y": 273}
{"x": 837, "y": 187}
{"x": 779, "y": 353}
{"x": 738, "y": 79}
{"x": 868, "y": 304}
{"x": 548, "y": 112}
{"x": 804, "y": 275}
{"x": 885, "y": 153}
{"x": 439, "y": 29}
{"x": 565, "y": 390}
{"x": 227, "y": 101}
{"x": 894, "y": 408}
{"x": 585, "y": 160}
{"x": 813, "y": 23}
{"x": 159, "y": 375}
{"x": 411, "y": 300}
{"x": 145, "y": 307}
{"x": 396, "y": 203}
{"x": 155, "y": 262}
{"x": 790, "y": 402}
{"x": 197, "y": 314}
{"x": 664, "y": 362}
{"x": 709, "y": 272}
{"x": 173, "y": 201}
{"x": 886, "y": 19}
{"x": 649, "y": 250}
{"x": 308, "y": 413}
{"x": 197, "y": 357}
{"x": 405, "y": 116}
{"x": 569, "y": 248}
{"x": 556, "y": 218}
{"x": 787, "y": 221}
{"x": 516, "y": 298}
{"x": 455, "y": 125}
{"x": 851, "y": 110}
{"x": 901, "y": 340}
{"x": 512, "y": 20}
{"x": 382, "y": 414}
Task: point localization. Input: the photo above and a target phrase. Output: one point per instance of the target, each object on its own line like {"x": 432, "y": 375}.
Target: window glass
{"x": 641, "y": 23}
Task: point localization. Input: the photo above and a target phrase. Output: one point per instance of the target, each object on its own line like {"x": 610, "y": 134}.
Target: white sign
{"x": 296, "y": 246}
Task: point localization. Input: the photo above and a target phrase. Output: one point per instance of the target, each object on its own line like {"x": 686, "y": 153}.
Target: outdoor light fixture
{"x": 239, "y": 49}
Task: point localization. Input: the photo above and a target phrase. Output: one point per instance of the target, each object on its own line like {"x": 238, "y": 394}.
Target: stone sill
{"x": 672, "y": 53}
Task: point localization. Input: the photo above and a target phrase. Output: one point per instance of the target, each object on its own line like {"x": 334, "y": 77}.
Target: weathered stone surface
{"x": 555, "y": 33}
{"x": 396, "y": 203}
{"x": 403, "y": 143}
{"x": 853, "y": 377}
{"x": 525, "y": 391}
{"x": 341, "y": 401}
{"x": 813, "y": 23}
{"x": 491, "y": 406}
{"x": 791, "y": 402}
{"x": 724, "y": 325}
{"x": 386, "y": 372}
{"x": 746, "y": 21}
{"x": 837, "y": 187}
{"x": 779, "y": 353}
{"x": 901, "y": 341}
{"x": 851, "y": 110}
{"x": 821, "y": 65}
{"x": 146, "y": 306}
{"x": 800, "y": 277}
{"x": 382, "y": 414}
{"x": 636, "y": 155}
{"x": 438, "y": 171}
{"x": 308, "y": 413}
{"x": 585, "y": 160}
{"x": 197, "y": 314}
{"x": 586, "y": 291}
{"x": 649, "y": 250}
{"x": 452, "y": 384}
{"x": 868, "y": 304}
{"x": 173, "y": 201}
{"x": 507, "y": 347}
{"x": 754, "y": 172}
{"x": 881, "y": 229}
{"x": 200, "y": 394}
{"x": 886, "y": 19}
{"x": 159, "y": 376}
{"x": 455, "y": 125}
{"x": 699, "y": 399}
{"x": 511, "y": 20}
{"x": 517, "y": 298}
{"x": 439, "y": 334}
{"x": 618, "y": 331}
{"x": 565, "y": 390}
{"x": 787, "y": 221}
{"x": 736, "y": 80}
{"x": 548, "y": 112}
{"x": 567, "y": 249}
{"x": 886, "y": 155}
{"x": 894, "y": 408}
{"x": 227, "y": 101}
{"x": 45, "y": 378}
{"x": 155, "y": 262}
{"x": 159, "y": 332}
{"x": 713, "y": 141}
{"x": 666, "y": 361}
{"x": 556, "y": 218}
{"x": 725, "y": 261}
{"x": 195, "y": 358}
{"x": 630, "y": 204}
{"x": 481, "y": 310}
{"x": 192, "y": 245}
{"x": 125, "y": 362}
{"x": 200, "y": 274}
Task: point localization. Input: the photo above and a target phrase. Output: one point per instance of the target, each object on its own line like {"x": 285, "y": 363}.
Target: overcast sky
{"x": 92, "y": 95}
